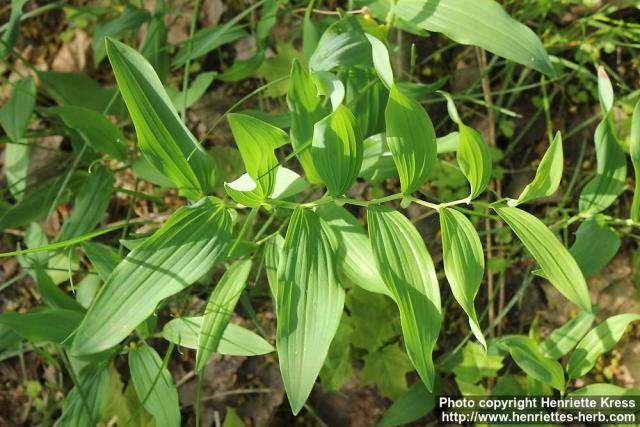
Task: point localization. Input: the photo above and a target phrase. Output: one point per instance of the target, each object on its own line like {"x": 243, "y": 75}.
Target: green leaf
{"x": 408, "y": 271}
{"x": 598, "y": 341}
{"x": 548, "y": 174}
{"x": 474, "y": 159}
{"x": 51, "y": 325}
{"x": 482, "y": 23}
{"x": 555, "y": 260}
{"x": 235, "y": 341}
{"x": 381, "y": 61}
{"x": 373, "y": 317}
{"x": 90, "y": 204}
{"x": 10, "y": 35}
{"x": 604, "y": 390}
{"x": 530, "y": 359}
{"x": 104, "y": 258}
{"x": 272, "y": 251}
{"x": 87, "y": 401}
{"x": 411, "y": 139}
{"x": 565, "y": 338}
{"x": 377, "y": 162}
{"x": 386, "y": 368}
{"x": 176, "y": 255}
{"x": 592, "y": 258}
{"x": 336, "y": 150}
{"x": 342, "y": 44}
{"x": 611, "y": 169}
{"x": 634, "y": 151}
{"x": 163, "y": 138}
{"x": 330, "y": 85}
{"x": 130, "y": 19}
{"x": 368, "y": 106}
{"x": 337, "y": 367}
{"x": 354, "y": 257}
{"x": 232, "y": 419}
{"x": 221, "y": 304}
{"x": 463, "y": 258}
{"x": 310, "y": 302}
{"x": 154, "y": 44}
{"x": 306, "y": 109}
{"x": 154, "y": 386}
{"x": 16, "y": 112}
{"x": 207, "y": 40}
{"x": 80, "y": 90}
{"x": 245, "y": 191}
{"x": 257, "y": 141}
{"x": 412, "y": 405}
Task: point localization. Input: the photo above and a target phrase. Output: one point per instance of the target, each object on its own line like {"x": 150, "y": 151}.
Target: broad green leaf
{"x": 354, "y": 257}
{"x": 90, "y": 204}
{"x": 50, "y": 325}
{"x": 604, "y": 390}
{"x": 611, "y": 169}
{"x": 163, "y": 138}
{"x": 221, "y": 304}
{"x": 51, "y": 294}
{"x": 272, "y": 251}
{"x": 634, "y": 151}
{"x": 306, "y": 109}
{"x": 474, "y": 159}
{"x": 310, "y": 33}
{"x": 336, "y": 150}
{"x": 245, "y": 191}
{"x": 530, "y": 359}
{"x": 14, "y": 119}
{"x": 555, "y": 260}
{"x": 36, "y": 205}
{"x": 411, "y": 139}
{"x": 368, "y": 106}
{"x": 482, "y": 23}
{"x": 463, "y": 258}
{"x": 548, "y": 174}
{"x": 236, "y": 340}
{"x": 232, "y": 419}
{"x": 381, "y": 61}
{"x": 370, "y": 316}
{"x": 386, "y": 368}
{"x": 288, "y": 184}
{"x": 8, "y": 39}
{"x": 81, "y": 90}
{"x": 16, "y": 112}
{"x": 408, "y": 271}
{"x": 412, "y": 405}
{"x": 310, "y": 302}
{"x": 103, "y": 258}
{"x": 592, "y": 258}
{"x": 87, "y": 401}
{"x": 257, "y": 141}
{"x": 87, "y": 289}
{"x": 342, "y": 44}
{"x": 598, "y": 341}
{"x": 176, "y": 255}
{"x": 130, "y": 19}
{"x": 154, "y": 386}
{"x": 565, "y": 338}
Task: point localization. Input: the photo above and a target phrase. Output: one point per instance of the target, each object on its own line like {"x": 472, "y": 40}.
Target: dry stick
{"x": 481, "y": 58}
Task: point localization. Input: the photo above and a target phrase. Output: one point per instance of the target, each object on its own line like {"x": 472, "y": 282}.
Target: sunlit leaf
{"x": 221, "y": 304}
{"x": 272, "y": 251}
{"x": 634, "y": 151}
{"x": 309, "y": 301}
{"x": 51, "y": 325}
{"x": 181, "y": 251}
{"x": 598, "y": 341}
{"x": 555, "y": 260}
{"x": 408, "y": 271}
{"x": 413, "y": 404}
{"x": 342, "y": 44}
{"x": 163, "y": 138}
{"x": 411, "y": 139}
{"x": 154, "y": 386}
{"x": 474, "y": 159}
{"x": 336, "y": 150}
{"x": 565, "y": 338}
{"x": 381, "y": 61}
{"x": 463, "y": 258}
{"x": 482, "y": 23}
{"x": 530, "y": 359}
